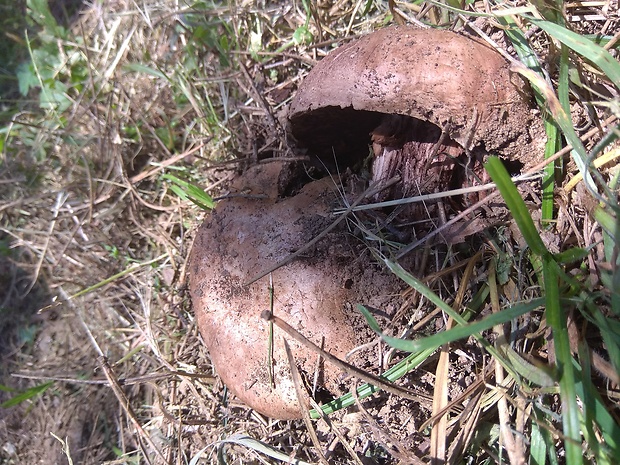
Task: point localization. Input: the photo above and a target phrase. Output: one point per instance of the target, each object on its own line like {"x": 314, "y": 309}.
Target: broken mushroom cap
{"x": 243, "y": 237}
{"x": 452, "y": 81}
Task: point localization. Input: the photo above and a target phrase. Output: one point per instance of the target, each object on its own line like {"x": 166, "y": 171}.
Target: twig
{"x": 260, "y": 99}
{"x": 336, "y": 431}
{"x": 346, "y": 367}
{"x": 166, "y": 163}
{"x": 122, "y": 381}
{"x": 122, "y": 398}
{"x": 303, "y": 399}
{"x": 61, "y": 198}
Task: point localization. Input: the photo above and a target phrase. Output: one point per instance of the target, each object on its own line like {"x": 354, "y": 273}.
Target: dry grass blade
{"x": 465, "y": 429}
{"x": 389, "y": 443}
{"x": 514, "y": 446}
{"x": 470, "y": 392}
{"x": 346, "y": 367}
{"x": 65, "y": 447}
{"x": 126, "y": 405}
{"x": 304, "y": 403}
{"x": 440, "y": 400}
{"x": 439, "y": 432}
{"x": 60, "y": 200}
{"x": 166, "y": 163}
{"x": 336, "y": 431}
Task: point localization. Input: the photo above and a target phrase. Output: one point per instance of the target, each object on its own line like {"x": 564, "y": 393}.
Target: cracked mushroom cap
{"x": 438, "y": 76}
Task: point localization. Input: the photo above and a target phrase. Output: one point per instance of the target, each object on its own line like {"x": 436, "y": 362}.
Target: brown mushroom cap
{"x": 432, "y": 75}
{"x": 315, "y": 293}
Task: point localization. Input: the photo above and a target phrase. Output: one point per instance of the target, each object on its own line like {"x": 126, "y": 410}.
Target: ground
{"x": 130, "y": 114}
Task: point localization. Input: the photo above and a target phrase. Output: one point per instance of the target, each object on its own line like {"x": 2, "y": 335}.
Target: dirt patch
{"x": 36, "y": 340}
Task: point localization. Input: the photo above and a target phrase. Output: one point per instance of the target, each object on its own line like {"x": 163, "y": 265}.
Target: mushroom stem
{"x": 420, "y": 152}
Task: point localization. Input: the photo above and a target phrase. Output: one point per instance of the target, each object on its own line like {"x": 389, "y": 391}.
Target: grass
{"x": 134, "y": 117}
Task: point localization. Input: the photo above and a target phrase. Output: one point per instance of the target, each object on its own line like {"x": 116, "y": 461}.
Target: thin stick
{"x": 61, "y": 198}
{"x": 336, "y": 431}
{"x": 303, "y": 400}
{"x": 164, "y": 164}
{"x": 122, "y": 398}
{"x": 122, "y": 381}
{"x": 346, "y": 367}
{"x": 260, "y": 99}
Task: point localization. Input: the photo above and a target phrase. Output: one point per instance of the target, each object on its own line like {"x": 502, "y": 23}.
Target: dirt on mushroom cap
{"x": 316, "y": 293}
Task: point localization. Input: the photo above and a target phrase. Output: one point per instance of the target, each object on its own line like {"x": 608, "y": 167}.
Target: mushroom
{"x": 315, "y": 294}
{"x": 426, "y": 101}
{"x": 431, "y": 102}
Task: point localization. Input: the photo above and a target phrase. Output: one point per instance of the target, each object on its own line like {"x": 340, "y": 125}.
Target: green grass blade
{"x": 554, "y": 311}
{"x": 571, "y": 256}
{"x": 563, "y": 120}
{"x": 515, "y": 204}
{"x": 520, "y": 43}
{"x": 554, "y": 142}
{"x": 550, "y": 9}
{"x": 610, "y": 332}
{"x": 583, "y": 46}
{"x": 611, "y": 237}
{"x": 140, "y": 68}
{"x": 399, "y": 370}
{"x": 544, "y": 442}
{"x": 454, "y": 334}
{"x": 34, "y": 391}
{"x": 554, "y": 139}
{"x": 541, "y": 376}
{"x": 607, "y": 424}
{"x": 563, "y": 80}
{"x": 587, "y": 418}
{"x": 424, "y": 290}
{"x": 538, "y": 445}
{"x": 186, "y": 190}
{"x": 607, "y": 222}
{"x": 434, "y": 298}
{"x": 557, "y": 320}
